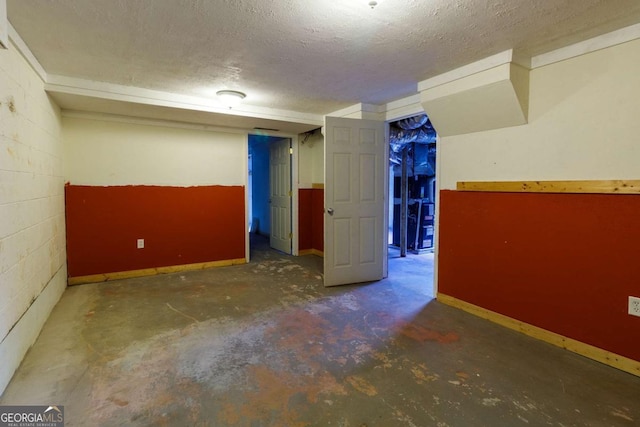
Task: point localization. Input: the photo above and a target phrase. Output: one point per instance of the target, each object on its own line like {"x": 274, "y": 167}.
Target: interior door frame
{"x": 436, "y": 223}
{"x": 294, "y": 188}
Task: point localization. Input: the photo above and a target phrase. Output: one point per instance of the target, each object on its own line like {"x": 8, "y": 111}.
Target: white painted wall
{"x": 32, "y": 228}
{"x": 311, "y": 161}
{"x": 317, "y": 162}
{"x": 305, "y": 158}
{"x": 107, "y": 152}
{"x": 4, "y": 25}
{"x": 583, "y": 124}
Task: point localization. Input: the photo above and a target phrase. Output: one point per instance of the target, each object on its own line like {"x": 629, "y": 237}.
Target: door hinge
{"x": 290, "y": 193}
{"x": 290, "y": 236}
{"x": 290, "y": 150}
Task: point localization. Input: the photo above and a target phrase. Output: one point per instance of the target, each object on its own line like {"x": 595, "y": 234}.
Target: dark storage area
{"x": 420, "y": 226}
{"x": 412, "y": 166}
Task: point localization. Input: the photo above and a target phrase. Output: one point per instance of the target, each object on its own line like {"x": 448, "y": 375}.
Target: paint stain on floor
{"x": 421, "y": 334}
{"x": 265, "y": 344}
{"x": 273, "y": 367}
{"x": 362, "y": 385}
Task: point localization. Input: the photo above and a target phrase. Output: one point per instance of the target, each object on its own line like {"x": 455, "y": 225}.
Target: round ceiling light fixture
{"x": 373, "y": 3}
{"x": 230, "y": 98}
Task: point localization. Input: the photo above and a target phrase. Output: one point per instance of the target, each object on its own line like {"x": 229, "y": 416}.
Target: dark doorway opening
{"x": 412, "y": 198}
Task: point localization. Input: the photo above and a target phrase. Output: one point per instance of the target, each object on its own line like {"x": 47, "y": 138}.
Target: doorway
{"x": 270, "y": 190}
{"x": 412, "y": 201}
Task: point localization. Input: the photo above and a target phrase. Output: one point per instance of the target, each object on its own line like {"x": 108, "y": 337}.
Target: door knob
{"x": 330, "y": 211}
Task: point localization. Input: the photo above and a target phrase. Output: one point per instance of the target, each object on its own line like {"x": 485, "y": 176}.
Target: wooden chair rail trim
{"x": 587, "y": 187}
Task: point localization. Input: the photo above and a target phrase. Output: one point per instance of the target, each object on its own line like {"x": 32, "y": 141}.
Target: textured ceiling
{"x": 298, "y": 55}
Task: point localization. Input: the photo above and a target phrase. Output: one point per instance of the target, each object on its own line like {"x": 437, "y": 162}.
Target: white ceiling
{"x": 307, "y": 58}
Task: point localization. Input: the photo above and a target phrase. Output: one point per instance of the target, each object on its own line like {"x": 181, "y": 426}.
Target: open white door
{"x": 355, "y": 174}
{"x": 280, "y": 194}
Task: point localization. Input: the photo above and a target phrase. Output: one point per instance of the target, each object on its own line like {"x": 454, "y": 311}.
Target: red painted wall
{"x": 317, "y": 218}
{"x": 563, "y": 262}
{"x": 311, "y": 219}
{"x": 180, "y": 225}
{"x": 305, "y": 224}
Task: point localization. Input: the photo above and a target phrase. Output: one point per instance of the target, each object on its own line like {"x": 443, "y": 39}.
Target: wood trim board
{"x": 590, "y": 187}
{"x": 105, "y": 277}
{"x": 311, "y": 252}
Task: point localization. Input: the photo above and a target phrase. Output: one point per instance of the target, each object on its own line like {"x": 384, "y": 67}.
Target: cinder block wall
{"x": 32, "y": 227}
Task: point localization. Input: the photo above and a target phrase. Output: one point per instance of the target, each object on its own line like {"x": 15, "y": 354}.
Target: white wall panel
{"x": 105, "y": 153}
{"x": 317, "y": 173}
{"x": 583, "y": 124}
{"x": 311, "y": 161}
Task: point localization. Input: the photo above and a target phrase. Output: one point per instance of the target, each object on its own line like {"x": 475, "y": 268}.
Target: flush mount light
{"x": 230, "y": 98}
{"x": 373, "y": 3}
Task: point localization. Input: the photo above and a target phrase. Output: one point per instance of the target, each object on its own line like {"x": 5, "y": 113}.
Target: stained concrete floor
{"x": 265, "y": 344}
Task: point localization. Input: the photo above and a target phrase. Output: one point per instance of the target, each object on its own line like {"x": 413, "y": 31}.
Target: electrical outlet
{"x": 140, "y": 243}
{"x": 634, "y": 306}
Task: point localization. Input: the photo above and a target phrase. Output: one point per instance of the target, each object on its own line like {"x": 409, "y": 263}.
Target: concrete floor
{"x": 265, "y": 344}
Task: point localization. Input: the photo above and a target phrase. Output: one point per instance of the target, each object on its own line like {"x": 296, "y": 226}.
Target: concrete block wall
{"x": 32, "y": 227}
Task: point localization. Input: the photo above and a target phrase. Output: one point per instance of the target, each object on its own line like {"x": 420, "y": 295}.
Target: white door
{"x": 355, "y": 177}
{"x": 280, "y": 194}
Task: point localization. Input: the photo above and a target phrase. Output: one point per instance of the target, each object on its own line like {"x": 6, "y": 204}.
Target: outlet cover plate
{"x": 634, "y": 306}
{"x": 140, "y": 243}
